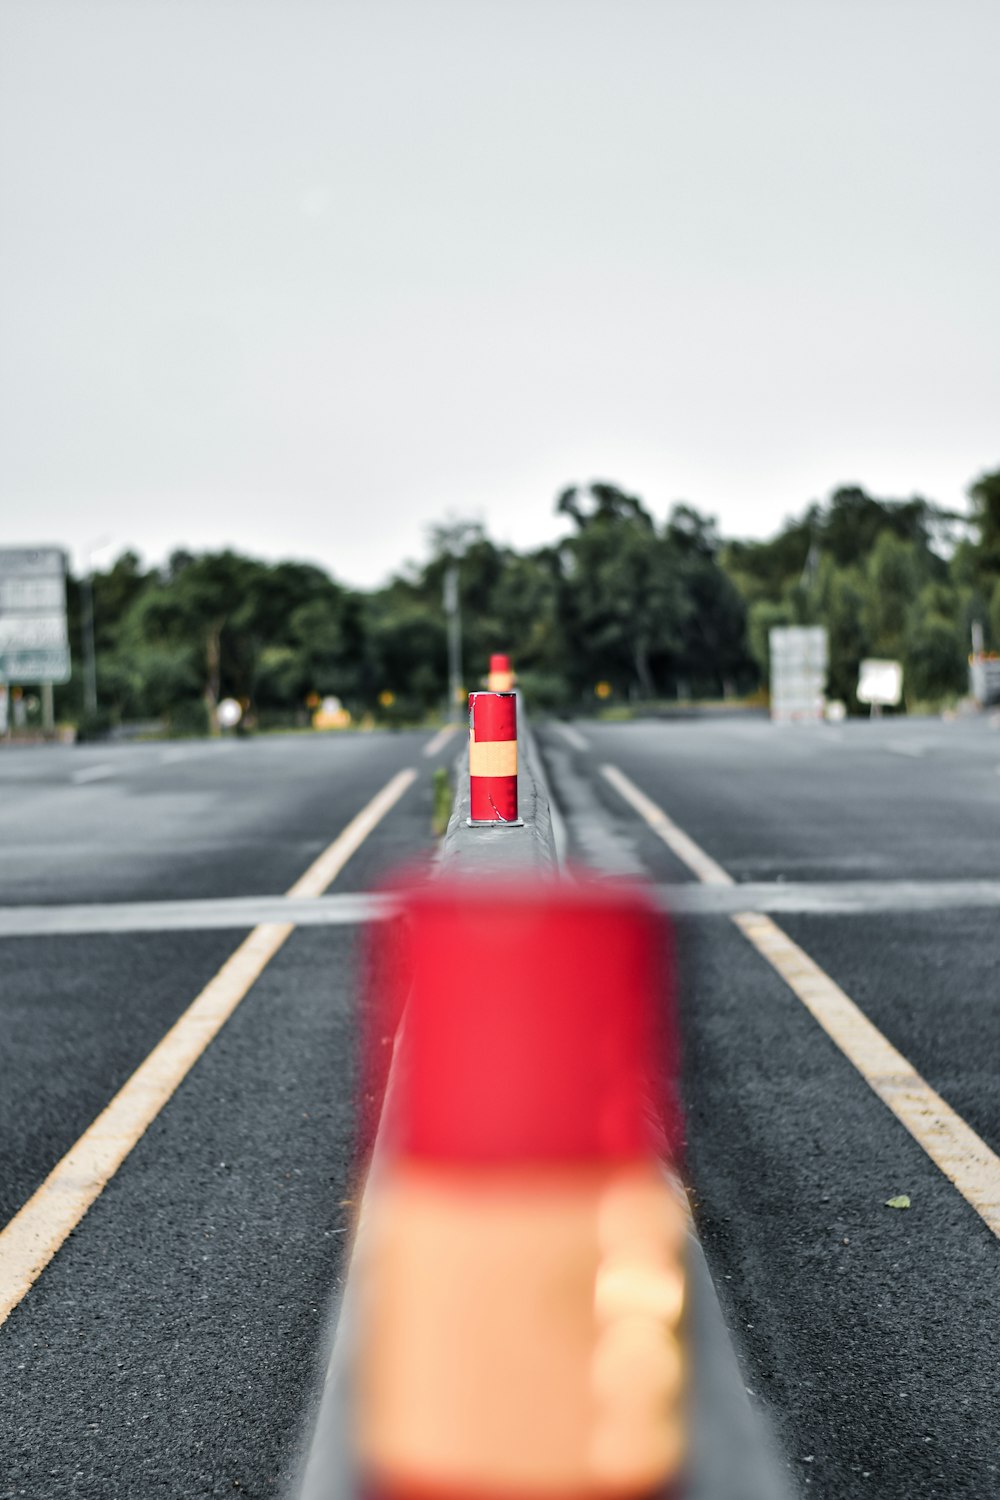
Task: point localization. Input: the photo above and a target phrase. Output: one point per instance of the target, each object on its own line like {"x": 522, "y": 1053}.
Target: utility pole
{"x": 87, "y": 623}
{"x": 453, "y": 610}
{"x": 89, "y": 651}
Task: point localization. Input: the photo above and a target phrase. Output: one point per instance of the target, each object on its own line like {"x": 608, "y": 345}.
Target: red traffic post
{"x": 522, "y": 1244}
{"x": 501, "y": 675}
{"x": 493, "y": 760}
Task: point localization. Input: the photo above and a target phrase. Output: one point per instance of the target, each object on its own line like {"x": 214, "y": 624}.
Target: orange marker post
{"x": 523, "y": 1271}
{"x": 501, "y": 677}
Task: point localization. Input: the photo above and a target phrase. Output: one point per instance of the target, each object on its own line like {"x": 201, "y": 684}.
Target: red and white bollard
{"x": 493, "y": 760}
{"x": 501, "y": 676}
{"x": 522, "y": 1248}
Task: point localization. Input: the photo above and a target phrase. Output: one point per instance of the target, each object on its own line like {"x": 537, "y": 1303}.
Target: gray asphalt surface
{"x": 225, "y": 818}
{"x": 173, "y": 1348}
{"x": 868, "y": 1334}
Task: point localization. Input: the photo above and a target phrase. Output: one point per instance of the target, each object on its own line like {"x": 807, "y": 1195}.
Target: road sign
{"x": 984, "y": 678}
{"x": 880, "y": 682}
{"x": 34, "y": 642}
{"x": 230, "y": 713}
{"x": 799, "y": 657}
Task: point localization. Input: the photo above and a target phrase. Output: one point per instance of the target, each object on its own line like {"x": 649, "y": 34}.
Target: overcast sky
{"x": 305, "y": 277}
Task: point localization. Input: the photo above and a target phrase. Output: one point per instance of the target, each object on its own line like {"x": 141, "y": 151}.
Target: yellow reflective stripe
{"x": 492, "y": 757}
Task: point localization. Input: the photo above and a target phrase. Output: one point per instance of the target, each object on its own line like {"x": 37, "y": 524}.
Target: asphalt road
{"x": 868, "y": 1334}
{"x": 174, "y": 1345}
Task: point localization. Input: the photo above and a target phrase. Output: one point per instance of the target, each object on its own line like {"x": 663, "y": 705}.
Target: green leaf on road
{"x": 902, "y": 1201}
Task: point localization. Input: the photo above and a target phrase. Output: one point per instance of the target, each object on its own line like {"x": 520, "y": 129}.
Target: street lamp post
{"x": 89, "y": 646}
{"x": 89, "y": 650}
{"x": 454, "y": 612}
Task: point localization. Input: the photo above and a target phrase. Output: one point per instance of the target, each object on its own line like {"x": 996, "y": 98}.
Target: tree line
{"x": 626, "y": 606}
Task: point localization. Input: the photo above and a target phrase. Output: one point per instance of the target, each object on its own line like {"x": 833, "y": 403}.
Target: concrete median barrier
{"x": 729, "y": 1454}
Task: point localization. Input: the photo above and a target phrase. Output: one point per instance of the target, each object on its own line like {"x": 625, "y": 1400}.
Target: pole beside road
{"x": 453, "y": 610}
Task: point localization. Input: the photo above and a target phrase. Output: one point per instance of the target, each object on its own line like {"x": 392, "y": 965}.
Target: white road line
{"x": 171, "y": 757}
{"x": 213, "y": 914}
{"x": 92, "y": 773}
{"x": 194, "y": 752}
{"x": 572, "y": 736}
{"x": 846, "y": 898}
{"x": 965, "y": 1159}
{"x": 903, "y": 747}
{"x": 440, "y": 739}
{"x": 54, "y": 1210}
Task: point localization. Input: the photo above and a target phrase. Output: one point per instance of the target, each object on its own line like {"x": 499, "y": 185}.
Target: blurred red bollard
{"x": 521, "y": 1248}
{"x": 493, "y": 758}
{"x": 501, "y": 677}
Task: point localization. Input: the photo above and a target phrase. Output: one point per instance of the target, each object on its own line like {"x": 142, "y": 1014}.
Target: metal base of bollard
{"x": 494, "y": 822}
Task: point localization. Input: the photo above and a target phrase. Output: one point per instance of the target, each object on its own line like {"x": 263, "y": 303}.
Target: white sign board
{"x": 799, "y": 659}
{"x": 984, "y": 678}
{"x": 230, "y": 713}
{"x": 34, "y": 643}
{"x": 880, "y": 682}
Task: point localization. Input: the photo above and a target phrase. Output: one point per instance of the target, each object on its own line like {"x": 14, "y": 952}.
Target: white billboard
{"x": 880, "y": 682}
{"x": 799, "y": 659}
{"x": 34, "y": 642}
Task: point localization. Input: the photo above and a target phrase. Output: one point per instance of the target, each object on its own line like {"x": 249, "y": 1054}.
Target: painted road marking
{"x": 92, "y": 773}
{"x": 687, "y": 851}
{"x": 604, "y": 850}
{"x": 849, "y": 898}
{"x": 323, "y": 871}
{"x": 903, "y": 747}
{"x": 572, "y": 736}
{"x": 440, "y": 739}
{"x": 193, "y": 752}
{"x": 54, "y": 1210}
{"x": 342, "y": 910}
{"x": 965, "y": 1160}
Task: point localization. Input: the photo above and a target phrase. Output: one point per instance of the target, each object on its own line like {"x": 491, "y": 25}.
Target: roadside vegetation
{"x": 624, "y": 610}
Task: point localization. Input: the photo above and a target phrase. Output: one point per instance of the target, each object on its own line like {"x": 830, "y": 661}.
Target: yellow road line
{"x": 966, "y": 1160}
{"x": 687, "y": 851}
{"x": 54, "y": 1210}
{"x": 323, "y": 871}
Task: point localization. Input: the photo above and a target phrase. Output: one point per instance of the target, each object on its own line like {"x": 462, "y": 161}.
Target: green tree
{"x": 994, "y": 617}
{"x": 713, "y": 654}
{"x": 985, "y": 497}
{"x": 621, "y": 603}
{"x": 893, "y": 577}
{"x": 935, "y": 664}
{"x": 764, "y": 616}
{"x": 196, "y": 623}
{"x": 842, "y": 598}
